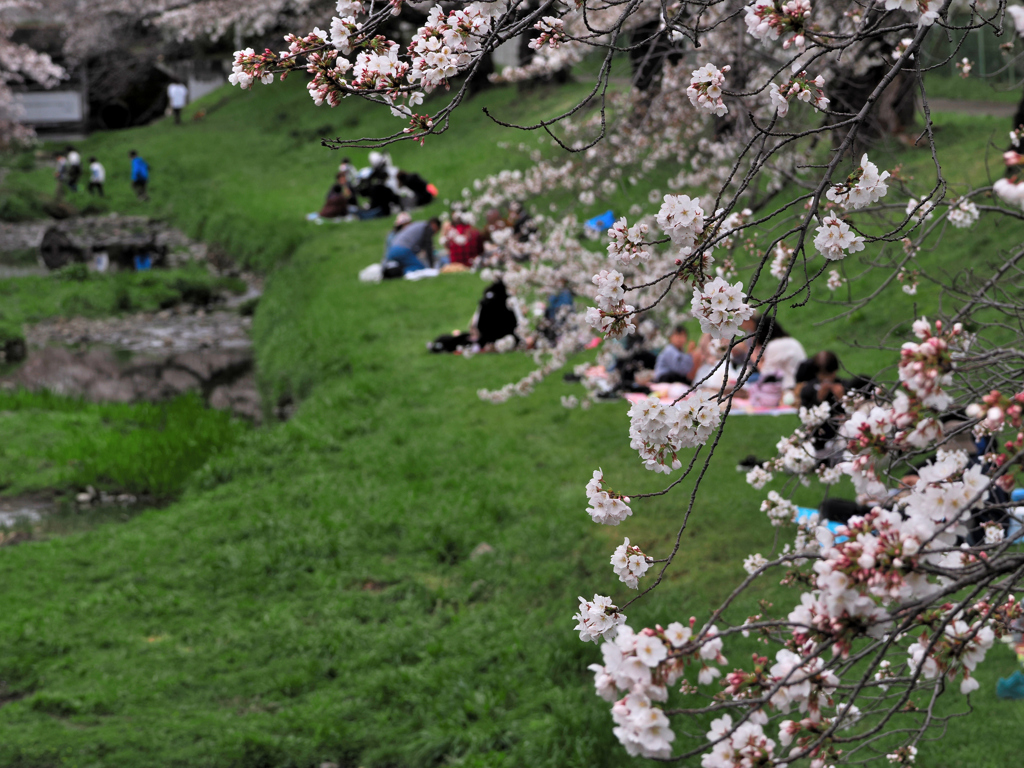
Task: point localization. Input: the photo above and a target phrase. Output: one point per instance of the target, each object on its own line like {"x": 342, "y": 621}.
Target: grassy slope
{"x": 50, "y": 443}
{"x": 313, "y": 596}
{"x": 76, "y": 292}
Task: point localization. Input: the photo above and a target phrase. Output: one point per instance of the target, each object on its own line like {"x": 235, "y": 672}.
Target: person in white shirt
{"x": 74, "y": 169}
{"x": 782, "y": 353}
{"x": 97, "y": 176}
{"x": 177, "y": 94}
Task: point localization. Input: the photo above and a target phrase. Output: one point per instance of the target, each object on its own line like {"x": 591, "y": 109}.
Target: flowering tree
{"x": 889, "y": 609}
{"x": 19, "y": 64}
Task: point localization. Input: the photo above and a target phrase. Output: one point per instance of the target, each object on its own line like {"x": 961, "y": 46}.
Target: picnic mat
{"x": 669, "y": 393}
{"x": 739, "y": 407}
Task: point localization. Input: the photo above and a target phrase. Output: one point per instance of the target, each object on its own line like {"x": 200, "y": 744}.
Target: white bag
{"x": 371, "y": 274}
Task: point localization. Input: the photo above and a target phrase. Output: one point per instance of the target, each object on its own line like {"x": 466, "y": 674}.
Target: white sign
{"x": 50, "y": 106}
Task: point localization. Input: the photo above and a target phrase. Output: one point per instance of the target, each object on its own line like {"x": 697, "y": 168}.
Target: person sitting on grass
{"x": 676, "y": 362}
{"x": 422, "y": 192}
{"x": 339, "y": 199}
{"x": 413, "y": 245}
{"x": 824, "y": 387}
{"x": 492, "y": 321}
{"x": 463, "y": 241}
{"x": 780, "y": 354}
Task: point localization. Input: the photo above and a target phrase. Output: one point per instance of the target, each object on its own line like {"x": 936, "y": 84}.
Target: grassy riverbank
{"x": 321, "y": 591}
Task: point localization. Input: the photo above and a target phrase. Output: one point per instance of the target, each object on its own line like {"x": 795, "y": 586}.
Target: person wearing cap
{"x": 401, "y": 220}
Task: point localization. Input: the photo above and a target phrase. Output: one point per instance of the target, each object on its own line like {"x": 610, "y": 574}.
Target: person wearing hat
{"x": 401, "y": 220}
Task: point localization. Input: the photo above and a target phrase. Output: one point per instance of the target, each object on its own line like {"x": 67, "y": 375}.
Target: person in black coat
{"x": 418, "y": 186}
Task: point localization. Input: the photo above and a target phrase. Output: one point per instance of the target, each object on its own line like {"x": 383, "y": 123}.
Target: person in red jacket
{"x": 464, "y": 241}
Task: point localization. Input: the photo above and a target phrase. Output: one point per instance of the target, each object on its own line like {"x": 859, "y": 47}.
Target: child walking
{"x": 97, "y": 177}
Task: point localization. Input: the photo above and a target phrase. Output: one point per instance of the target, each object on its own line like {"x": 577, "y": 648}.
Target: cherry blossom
{"x": 962, "y": 213}
{"x": 630, "y": 564}
{"x": 705, "y": 90}
{"x": 678, "y": 257}
{"x": 605, "y": 507}
{"x": 803, "y": 89}
{"x": 928, "y": 9}
{"x": 767, "y": 20}
{"x": 597, "y": 618}
{"x": 682, "y": 219}
{"x": 835, "y": 280}
{"x": 835, "y": 239}
{"x": 862, "y": 188}
{"x": 720, "y": 308}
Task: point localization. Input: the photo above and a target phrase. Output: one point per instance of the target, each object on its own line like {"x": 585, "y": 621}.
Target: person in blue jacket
{"x": 140, "y": 175}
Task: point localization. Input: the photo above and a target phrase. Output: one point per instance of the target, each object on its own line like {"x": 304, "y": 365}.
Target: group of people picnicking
{"x": 774, "y": 367}
{"x": 68, "y": 174}
{"x": 427, "y": 247}
{"x": 775, "y": 370}
{"x": 380, "y": 189}
{"x": 767, "y": 368}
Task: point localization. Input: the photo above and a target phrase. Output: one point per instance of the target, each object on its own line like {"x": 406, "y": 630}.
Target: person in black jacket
{"x": 492, "y": 320}
{"x": 418, "y": 186}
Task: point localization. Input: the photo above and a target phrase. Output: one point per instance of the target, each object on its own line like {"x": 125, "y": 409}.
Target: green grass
{"x": 75, "y": 292}
{"x": 974, "y": 89}
{"x": 55, "y": 444}
{"x": 312, "y": 595}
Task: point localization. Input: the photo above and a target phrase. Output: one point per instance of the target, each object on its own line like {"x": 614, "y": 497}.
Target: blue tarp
{"x": 804, "y": 513}
{"x": 598, "y": 225}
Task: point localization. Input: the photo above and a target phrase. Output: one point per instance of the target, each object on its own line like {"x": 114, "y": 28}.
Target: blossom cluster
{"x": 920, "y": 211}
{"x": 862, "y": 188}
{"x": 720, "y": 308}
{"x": 1010, "y": 191}
{"x": 927, "y": 10}
{"x": 682, "y": 219}
{"x": 658, "y": 431}
{"x": 767, "y": 20}
{"x": 782, "y": 260}
{"x": 626, "y": 243}
{"x": 835, "y": 280}
{"x": 741, "y": 745}
{"x": 925, "y": 366}
{"x": 597, "y": 618}
{"x": 630, "y": 563}
{"x": 552, "y": 33}
{"x": 606, "y": 507}
{"x": 705, "y": 89}
{"x": 445, "y": 45}
{"x": 801, "y": 87}
{"x": 780, "y": 511}
{"x": 643, "y": 665}
{"x": 959, "y": 650}
{"x": 962, "y": 213}
{"x": 611, "y": 316}
{"x": 835, "y": 238}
